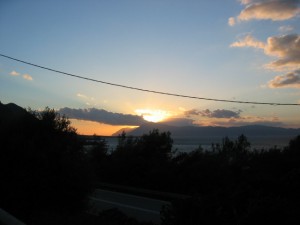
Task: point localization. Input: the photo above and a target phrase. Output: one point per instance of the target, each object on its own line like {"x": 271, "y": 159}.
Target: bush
{"x": 44, "y": 165}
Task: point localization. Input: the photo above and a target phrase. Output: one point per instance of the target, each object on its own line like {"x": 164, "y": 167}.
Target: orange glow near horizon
{"x": 90, "y": 127}
{"x": 154, "y": 116}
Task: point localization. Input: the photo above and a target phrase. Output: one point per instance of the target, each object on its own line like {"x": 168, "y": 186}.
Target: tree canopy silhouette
{"x": 43, "y": 164}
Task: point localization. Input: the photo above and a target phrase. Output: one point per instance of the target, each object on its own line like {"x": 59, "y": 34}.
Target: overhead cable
{"x": 151, "y": 91}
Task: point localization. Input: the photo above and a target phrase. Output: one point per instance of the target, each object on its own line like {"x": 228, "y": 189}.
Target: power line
{"x": 151, "y": 91}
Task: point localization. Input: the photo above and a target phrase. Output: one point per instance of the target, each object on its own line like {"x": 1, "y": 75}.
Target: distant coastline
{"x": 188, "y": 144}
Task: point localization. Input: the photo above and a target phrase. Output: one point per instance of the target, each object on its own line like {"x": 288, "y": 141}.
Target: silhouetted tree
{"x": 46, "y": 167}
{"x": 99, "y": 158}
{"x": 294, "y": 146}
{"x": 229, "y": 185}
{"x": 140, "y": 161}
{"x": 156, "y": 145}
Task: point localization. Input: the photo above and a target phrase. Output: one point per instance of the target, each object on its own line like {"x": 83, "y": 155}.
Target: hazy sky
{"x": 246, "y": 50}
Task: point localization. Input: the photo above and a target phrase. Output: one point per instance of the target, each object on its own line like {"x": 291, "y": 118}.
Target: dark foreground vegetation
{"x": 42, "y": 164}
{"x": 46, "y": 175}
{"x": 229, "y": 185}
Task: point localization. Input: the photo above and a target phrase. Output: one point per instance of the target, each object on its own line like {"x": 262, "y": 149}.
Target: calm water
{"x": 190, "y": 144}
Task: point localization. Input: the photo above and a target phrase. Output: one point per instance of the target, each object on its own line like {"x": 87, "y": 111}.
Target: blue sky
{"x": 237, "y": 50}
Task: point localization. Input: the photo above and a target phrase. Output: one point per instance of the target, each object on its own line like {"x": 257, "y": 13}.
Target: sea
{"x": 188, "y": 144}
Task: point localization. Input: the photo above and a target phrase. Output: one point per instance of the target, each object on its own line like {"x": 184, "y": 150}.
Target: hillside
{"x": 127, "y": 130}
{"x": 11, "y": 111}
{"x": 12, "y": 114}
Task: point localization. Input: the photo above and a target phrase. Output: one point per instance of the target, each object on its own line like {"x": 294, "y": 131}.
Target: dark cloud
{"x": 192, "y": 112}
{"x": 219, "y": 113}
{"x": 242, "y": 121}
{"x": 233, "y": 122}
{"x": 102, "y": 116}
{"x": 179, "y": 122}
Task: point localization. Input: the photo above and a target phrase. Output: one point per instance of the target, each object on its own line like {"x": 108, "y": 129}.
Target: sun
{"x": 151, "y": 115}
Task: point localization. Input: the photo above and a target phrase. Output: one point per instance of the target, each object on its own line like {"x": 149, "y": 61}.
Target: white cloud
{"x": 27, "y": 77}
{"x": 14, "y": 73}
{"x": 90, "y": 101}
{"x": 231, "y": 21}
{"x": 81, "y": 95}
{"x": 286, "y": 29}
{"x": 276, "y": 10}
{"x": 291, "y": 79}
{"x": 245, "y": 2}
{"x": 248, "y": 41}
{"x": 286, "y": 48}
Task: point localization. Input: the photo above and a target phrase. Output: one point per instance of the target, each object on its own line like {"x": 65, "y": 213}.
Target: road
{"x": 141, "y": 208}
{"x": 8, "y": 219}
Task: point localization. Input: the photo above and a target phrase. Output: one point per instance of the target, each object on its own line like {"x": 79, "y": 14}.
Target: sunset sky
{"x": 244, "y": 50}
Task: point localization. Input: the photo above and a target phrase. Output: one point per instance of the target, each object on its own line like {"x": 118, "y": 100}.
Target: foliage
{"x": 259, "y": 187}
{"x": 137, "y": 161}
{"x": 53, "y": 120}
{"x": 44, "y": 163}
{"x": 45, "y": 169}
{"x": 229, "y": 185}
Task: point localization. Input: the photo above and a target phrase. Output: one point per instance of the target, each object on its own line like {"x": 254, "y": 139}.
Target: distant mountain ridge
{"x": 208, "y": 131}
{"x": 127, "y": 130}
{"x": 12, "y": 113}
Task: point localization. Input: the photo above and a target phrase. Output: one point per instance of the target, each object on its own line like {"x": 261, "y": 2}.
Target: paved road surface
{"x": 8, "y": 219}
{"x": 141, "y": 208}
